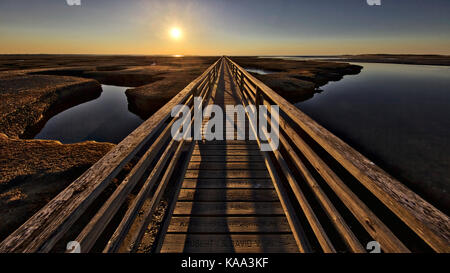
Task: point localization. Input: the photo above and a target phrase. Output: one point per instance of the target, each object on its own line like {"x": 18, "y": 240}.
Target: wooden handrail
{"x": 118, "y": 236}
{"x": 425, "y": 220}
{"x": 43, "y": 230}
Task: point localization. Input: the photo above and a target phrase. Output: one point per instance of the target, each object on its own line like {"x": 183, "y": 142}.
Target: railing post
{"x": 195, "y": 91}
{"x": 257, "y": 104}
{"x": 242, "y": 80}
{"x": 209, "y": 80}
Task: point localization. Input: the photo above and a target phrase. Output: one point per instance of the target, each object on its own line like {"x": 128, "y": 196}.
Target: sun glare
{"x": 175, "y": 33}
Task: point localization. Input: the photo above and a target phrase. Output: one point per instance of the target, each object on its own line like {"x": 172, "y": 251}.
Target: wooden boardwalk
{"x": 310, "y": 193}
{"x": 227, "y": 202}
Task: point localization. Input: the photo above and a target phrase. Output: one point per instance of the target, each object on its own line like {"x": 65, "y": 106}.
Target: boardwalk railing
{"x": 336, "y": 177}
{"x": 55, "y": 221}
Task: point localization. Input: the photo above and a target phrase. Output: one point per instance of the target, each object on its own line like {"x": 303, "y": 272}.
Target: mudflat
{"x": 297, "y": 80}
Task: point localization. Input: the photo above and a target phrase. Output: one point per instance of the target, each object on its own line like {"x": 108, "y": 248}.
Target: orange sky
{"x": 223, "y": 27}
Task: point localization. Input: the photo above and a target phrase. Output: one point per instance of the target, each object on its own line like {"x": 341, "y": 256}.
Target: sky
{"x": 225, "y": 27}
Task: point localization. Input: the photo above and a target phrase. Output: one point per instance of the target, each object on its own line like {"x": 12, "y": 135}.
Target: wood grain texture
{"x": 227, "y": 174}
{"x": 245, "y": 195}
{"x": 227, "y": 183}
{"x": 275, "y": 224}
{"x": 229, "y": 158}
{"x": 228, "y": 208}
{"x": 225, "y": 147}
{"x": 226, "y": 152}
{"x": 226, "y": 166}
{"x": 263, "y": 243}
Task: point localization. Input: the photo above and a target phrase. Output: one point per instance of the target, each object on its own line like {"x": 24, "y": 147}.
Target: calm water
{"x": 305, "y": 58}
{"x": 258, "y": 71}
{"x": 399, "y": 117}
{"x": 105, "y": 119}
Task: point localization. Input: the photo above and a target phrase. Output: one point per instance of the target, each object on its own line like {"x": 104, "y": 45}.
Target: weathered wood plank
{"x": 219, "y": 224}
{"x": 227, "y": 142}
{"x": 171, "y": 206}
{"x": 227, "y": 183}
{"x": 226, "y": 147}
{"x": 207, "y": 165}
{"x": 228, "y": 208}
{"x": 227, "y": 174}
{"x": 263, "y": 243}
{"x": 226, "y": 152}
{"x": 227, "y": 195}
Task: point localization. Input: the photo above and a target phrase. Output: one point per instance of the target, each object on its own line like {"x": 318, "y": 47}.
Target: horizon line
{"x": 214, "y": 55}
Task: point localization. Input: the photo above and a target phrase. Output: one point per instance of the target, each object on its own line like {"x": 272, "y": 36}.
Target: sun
{"x": 175, "y": 33}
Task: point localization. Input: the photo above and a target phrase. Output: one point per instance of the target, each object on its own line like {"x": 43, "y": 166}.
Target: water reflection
{"x": 105, "y": 119}
{"x": 259, "y": 71}
{"x": 398, "y": 116}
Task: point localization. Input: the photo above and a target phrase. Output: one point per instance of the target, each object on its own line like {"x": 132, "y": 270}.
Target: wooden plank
{"x": 227, "y": 142}
{"x": 261, "y": 224}
{"x": 190, "y": 148}
{"x": 228, "y": 208}
{"x": 227, "y": 183}
{"x": 226, "y": 152}
{"x": 226, "y": 147}
{"x": 228, "y": 195}
{"x": 207, "y": 165}
{"x": 227, "y": 174}
{"x": 232, "y": 243}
